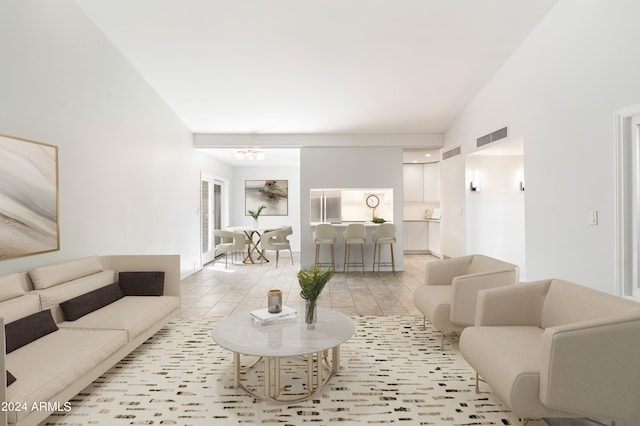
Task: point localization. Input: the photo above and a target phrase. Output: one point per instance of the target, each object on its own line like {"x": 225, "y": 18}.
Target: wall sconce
{"x": 474, "y": 186}
{"x": 249, "y": 154}
{"x": 520, "y": 180}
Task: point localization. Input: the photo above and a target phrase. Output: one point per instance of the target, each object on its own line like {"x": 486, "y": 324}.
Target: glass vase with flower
{"x": 312, "y": 282}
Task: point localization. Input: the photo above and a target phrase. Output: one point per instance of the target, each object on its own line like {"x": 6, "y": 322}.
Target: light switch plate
{"x": 592, "y": 217}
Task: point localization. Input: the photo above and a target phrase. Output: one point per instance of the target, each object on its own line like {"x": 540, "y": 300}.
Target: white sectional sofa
{"x": 555, "y": 349}
{"x": 68, "y": 323}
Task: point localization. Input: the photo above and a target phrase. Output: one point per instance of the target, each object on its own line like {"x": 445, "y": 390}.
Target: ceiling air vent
{"x": 451, "y": 153}
{"x": 492, "y": 137}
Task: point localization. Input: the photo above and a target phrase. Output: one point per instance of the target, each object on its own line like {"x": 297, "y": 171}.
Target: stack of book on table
{"x": 263, "y": 316}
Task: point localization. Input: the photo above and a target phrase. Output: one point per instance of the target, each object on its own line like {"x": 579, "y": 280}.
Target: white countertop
{"x": 345, "y": 223}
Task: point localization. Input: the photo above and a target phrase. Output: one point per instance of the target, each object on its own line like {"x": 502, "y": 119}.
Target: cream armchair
{"x": 448, "y": 296}
{"x": 557, "y": 349}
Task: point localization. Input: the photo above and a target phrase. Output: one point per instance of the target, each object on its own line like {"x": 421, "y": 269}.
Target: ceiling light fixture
{"x": 249, "y": 154}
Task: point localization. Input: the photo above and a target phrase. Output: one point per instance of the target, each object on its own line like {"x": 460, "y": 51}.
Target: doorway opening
{"x": 627, "y": 139}
{"x": 494, "y": 199}
{"x": 211, "y": 216}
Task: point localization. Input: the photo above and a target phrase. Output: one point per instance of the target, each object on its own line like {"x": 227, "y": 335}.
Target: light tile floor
{"x": 216, "y": 291}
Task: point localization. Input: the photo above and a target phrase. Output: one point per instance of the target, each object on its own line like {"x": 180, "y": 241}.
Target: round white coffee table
{"x": 291, "y": 338}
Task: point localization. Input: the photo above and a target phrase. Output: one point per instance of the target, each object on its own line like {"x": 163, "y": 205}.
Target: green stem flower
{"x": 312, "y": 282}
{"x": 256, "y": 214}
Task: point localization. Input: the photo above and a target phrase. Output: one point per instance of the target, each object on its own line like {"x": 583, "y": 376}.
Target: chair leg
{"x": 317, "y": 254}
{"x": 333, "y": 258}
{"x": 442, "y": 340}
{"x": 291, "y": 253}
{"x": 277, "y": 257}
{"x": 362, "y": 257}
{"x": 393, "y": 262}
{"x": 345, "y": 269}
{"x": 373, "y": 265}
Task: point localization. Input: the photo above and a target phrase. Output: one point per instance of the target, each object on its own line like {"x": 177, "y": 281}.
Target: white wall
{"x": 129, "y": 178}
{"x": 495, "y": 214}
{"x": 354, "y": 167}
{"x": 238, "y": 213}
{"x": 558, "y": 91}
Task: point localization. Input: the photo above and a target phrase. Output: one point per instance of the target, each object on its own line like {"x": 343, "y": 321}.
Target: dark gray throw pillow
{"x": 10, "y": 378}
{"x": 28, "y": 329}
{"x": 142, "y": 283}
{"x": 85, "y": 304}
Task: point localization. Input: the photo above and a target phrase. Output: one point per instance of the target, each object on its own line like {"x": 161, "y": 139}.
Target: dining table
{"x": 254, "y": 235}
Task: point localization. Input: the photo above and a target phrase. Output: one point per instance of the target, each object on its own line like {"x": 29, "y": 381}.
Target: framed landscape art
{"x": 274, "y": 194}
{"x": 28, "y": 198}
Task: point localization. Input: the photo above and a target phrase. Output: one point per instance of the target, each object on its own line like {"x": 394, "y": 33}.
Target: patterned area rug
{"x": 393, "y": 372}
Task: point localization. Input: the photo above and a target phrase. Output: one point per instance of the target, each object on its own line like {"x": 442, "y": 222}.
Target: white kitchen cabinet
{"x": 434, "y": 238}
{"x": 416, "y": 238}
{"x": 413, "y": 182}
{"x": 431, "y": 182}
{"x": 353, "y": 196}
{"x": 421, "y": 182}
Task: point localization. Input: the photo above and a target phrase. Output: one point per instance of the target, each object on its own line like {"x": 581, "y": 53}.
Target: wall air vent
{"x": 492, "y": 137}
{"x": 451, "y": 153}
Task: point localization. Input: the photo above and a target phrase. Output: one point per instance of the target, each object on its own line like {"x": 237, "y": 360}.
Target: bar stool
{"x": 385, "y": 234}
{"x": 354, "y": 234}
{"x": 325, "y": 233}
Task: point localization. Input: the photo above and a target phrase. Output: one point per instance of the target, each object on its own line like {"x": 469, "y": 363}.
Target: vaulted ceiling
{"x": 316, "y": 66}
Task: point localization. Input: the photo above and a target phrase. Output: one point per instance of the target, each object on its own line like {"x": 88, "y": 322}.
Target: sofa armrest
{"x": 465, "y": 290}
{"x": 591, "y": 367}
{"x": 168, "y": 263}
{"x": 442, "y": 272}
{"x": 3, "y": 375}
{"x": 512, "y": 305}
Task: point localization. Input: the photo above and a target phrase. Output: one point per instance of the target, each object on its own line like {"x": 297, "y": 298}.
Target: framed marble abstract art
{"x": 28, "y": 198}
{"x": 273, "y": 194}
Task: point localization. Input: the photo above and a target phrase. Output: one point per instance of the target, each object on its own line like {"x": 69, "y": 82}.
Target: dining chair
{"x": 229, "y": 242}
{"x": 276, "y": 240}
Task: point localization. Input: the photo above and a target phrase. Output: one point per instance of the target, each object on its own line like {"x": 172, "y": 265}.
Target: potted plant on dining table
{"x": 312, "y": 282}
{"x": 255, "y": 214}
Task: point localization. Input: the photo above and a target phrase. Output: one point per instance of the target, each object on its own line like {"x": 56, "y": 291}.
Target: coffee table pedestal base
{"x": 316, "y": 379}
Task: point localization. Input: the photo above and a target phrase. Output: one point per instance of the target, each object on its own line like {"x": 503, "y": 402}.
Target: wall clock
{"x": 373, "y": 201}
